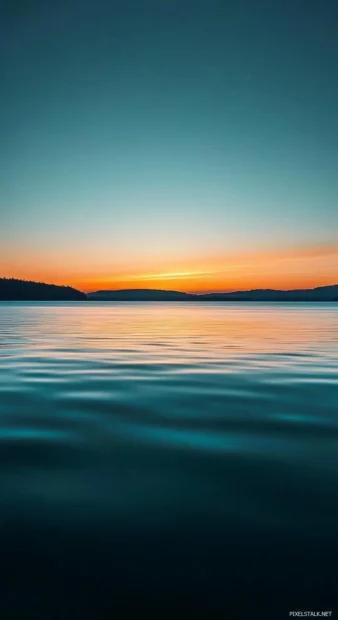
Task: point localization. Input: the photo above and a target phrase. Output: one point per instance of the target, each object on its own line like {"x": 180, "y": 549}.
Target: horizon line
{"x": 115, "y": 290}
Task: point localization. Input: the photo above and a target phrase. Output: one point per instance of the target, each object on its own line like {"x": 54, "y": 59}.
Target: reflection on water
{"x": 169, "y": 457}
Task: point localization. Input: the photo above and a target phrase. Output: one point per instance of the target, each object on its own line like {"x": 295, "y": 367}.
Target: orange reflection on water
{"x": 178, "y": 333}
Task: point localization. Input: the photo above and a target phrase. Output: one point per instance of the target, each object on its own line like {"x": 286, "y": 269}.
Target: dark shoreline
{"x": 21, "y": 290}
{"x": 176, "y": 301}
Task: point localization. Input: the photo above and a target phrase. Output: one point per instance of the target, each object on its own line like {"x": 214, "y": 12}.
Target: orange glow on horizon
{"x": 299, "y": 268}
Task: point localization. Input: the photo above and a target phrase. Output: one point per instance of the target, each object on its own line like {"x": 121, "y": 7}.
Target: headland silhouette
{"x": 12, "y": 289}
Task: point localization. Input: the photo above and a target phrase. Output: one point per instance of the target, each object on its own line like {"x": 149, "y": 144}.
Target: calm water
{"x": 168, "y": 457}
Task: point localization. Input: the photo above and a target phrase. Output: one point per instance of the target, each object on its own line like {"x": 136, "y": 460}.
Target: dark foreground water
{"x": 174, "y": 459}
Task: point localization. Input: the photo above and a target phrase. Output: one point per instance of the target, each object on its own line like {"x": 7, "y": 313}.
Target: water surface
{"x": 167, "y": 457}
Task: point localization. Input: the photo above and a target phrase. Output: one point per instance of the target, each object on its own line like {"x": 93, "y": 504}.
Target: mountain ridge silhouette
{"x": 321, "y": 293}
{"x": 12, "y": 289}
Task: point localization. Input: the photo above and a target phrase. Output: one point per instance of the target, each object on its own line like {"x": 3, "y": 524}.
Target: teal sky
{"x": 170, "y": 130}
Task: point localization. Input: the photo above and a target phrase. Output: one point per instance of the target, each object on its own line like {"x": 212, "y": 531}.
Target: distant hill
{"x": 323, "y": 293}
{"x": 21, "y": 290}
{"x": 139, "y": 294}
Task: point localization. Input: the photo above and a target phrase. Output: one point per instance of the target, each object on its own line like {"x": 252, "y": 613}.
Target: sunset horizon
{"x": 196, "y": 153}
{"x": 300, "y": 268}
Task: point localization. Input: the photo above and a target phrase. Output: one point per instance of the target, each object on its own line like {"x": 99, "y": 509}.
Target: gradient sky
{"x": 188, "y": 144}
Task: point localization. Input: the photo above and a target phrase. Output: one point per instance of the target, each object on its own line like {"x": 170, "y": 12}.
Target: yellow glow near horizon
{"x": 299, "y": 268}
{"x": 179, "y": 274}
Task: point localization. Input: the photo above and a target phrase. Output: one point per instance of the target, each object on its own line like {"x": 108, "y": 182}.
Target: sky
{"x": 182, "y": 144}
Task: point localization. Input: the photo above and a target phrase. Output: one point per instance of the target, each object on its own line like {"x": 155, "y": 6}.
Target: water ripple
{"x": 209, "y": 429}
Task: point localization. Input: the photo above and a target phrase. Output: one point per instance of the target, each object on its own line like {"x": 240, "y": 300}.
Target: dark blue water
{"x": 173, "y": 459}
